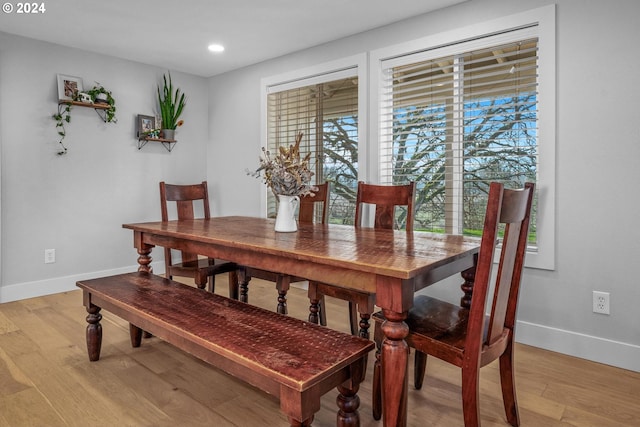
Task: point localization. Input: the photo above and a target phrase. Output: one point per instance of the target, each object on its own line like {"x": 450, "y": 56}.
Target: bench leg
{"x": 94, "y": 332}
{"x": 136, "y": 335}
{"x": 296, "y": 423}
{"x": 348, "y": 400}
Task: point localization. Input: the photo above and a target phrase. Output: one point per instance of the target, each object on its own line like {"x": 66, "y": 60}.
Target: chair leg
{"x": 322, "y": 311}
{"x": 364, "y": 325}
{"x": 419, "y": 369}
{"x": 282, "y": 285}
{"x": 201, "y": 282}
{"x": 376, "y": 401}
{"x": 233, "y": 285}
{"x": 353, "y": 318}
{"x": 212, "y": 284}
{"x": 507, "y": 380}
{"x": 314, "y": 310}
{"x": 318, "y": 308}
{"x": 470, "y": 396}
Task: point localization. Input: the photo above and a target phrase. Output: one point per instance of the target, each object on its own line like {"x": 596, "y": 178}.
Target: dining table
{"x": 389, "y": 264}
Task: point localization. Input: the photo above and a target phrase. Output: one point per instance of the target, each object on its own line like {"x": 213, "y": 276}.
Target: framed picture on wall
{"x": 146, "y": 124}
{"x": 69, "y": 87}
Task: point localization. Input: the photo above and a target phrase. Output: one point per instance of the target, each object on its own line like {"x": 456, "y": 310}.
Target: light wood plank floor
{"x": 47, "y": 380}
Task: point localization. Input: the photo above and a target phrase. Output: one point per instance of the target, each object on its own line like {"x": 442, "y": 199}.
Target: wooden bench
{"x": 293, "y": 360}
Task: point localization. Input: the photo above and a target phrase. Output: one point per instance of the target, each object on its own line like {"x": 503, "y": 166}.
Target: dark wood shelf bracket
{"x": 167, "y": 143}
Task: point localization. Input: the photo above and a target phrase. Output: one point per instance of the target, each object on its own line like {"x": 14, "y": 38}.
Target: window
{"x": 325, "y": 110}
{"x": 454, "y": 123}
{"x": 456, "y": 110}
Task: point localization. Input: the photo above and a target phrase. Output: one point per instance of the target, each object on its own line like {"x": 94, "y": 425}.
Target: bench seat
{"x": 293, "y": 360}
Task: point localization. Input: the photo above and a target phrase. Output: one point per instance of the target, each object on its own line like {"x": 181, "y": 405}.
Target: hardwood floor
{"x": 47, "y": 380}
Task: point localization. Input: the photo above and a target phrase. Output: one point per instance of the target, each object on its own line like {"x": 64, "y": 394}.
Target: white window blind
{"x": 454, "y": 119}
{"x": 325, "y": 110}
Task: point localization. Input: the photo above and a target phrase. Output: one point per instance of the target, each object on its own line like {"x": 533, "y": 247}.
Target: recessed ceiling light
{"x": 216, "y": 48}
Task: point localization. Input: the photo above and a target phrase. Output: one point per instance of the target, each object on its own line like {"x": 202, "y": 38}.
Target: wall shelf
{"x": 99, "y": 108}
{"x": 168, "y": 143}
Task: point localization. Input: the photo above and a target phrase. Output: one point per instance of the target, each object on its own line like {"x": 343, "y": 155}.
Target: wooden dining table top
{"x": 391, "y": 253}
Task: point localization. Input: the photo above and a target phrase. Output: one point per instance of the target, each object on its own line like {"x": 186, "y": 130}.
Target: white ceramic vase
{"x": 286, "y": 215}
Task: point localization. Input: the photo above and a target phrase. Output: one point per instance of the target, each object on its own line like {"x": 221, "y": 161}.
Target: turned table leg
{"x": 144, "y": 258}
{"x": 94, "y": 332}
{"x": 144, "y": 265}
{"x": 394, "y": 354}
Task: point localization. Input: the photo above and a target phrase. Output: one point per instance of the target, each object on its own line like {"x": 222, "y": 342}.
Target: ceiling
{"x": 175, "y": 34}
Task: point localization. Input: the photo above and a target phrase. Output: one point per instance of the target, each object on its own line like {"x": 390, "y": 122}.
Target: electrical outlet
{"x": 601, "y": 302}
{"x": 49, "y": 256}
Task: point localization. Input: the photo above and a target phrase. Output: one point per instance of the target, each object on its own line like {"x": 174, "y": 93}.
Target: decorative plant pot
{"x": 286, "y": 216}
{"x": 168, "y": 133}
{"x": 101, "y": 98}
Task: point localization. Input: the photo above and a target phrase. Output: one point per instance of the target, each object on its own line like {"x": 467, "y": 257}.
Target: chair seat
{"x": 433, "y": 319}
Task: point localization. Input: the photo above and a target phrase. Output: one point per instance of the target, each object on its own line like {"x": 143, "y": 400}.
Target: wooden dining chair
{"x": 313, "y": 208}
{"x": 385, "y": 198}
{"x": 466, "y": 337}
{"x": 202, "y": 270}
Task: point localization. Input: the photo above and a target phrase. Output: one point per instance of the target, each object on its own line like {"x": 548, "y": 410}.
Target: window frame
{"x": 542, "y": 21}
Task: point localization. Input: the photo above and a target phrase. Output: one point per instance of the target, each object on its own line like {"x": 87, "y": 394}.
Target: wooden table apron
{"x": 390, "y": 264}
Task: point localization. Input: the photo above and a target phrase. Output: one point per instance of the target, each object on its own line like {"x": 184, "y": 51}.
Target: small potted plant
{"x": 102, "y": 96}
{"x": 98, "y": 95}
{"x": 171, "y": 105}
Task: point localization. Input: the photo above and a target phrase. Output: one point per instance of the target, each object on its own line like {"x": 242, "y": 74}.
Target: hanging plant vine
{"x": 63, "y": 116}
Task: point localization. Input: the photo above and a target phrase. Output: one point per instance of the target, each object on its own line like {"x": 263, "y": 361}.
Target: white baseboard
{"x": 601, "y": 350}
{"x": 20, "y": 291}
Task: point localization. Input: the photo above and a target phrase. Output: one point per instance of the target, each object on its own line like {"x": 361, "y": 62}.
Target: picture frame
{"x": 68, "y": 86}
{"x": 145, "y": 124}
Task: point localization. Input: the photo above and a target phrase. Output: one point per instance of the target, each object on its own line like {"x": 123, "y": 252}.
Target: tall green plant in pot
{"x": 172, "y": 103}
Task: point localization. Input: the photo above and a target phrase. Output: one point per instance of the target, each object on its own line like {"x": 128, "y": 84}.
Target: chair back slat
{"x": 185, "y": 197}
{"x": 307, "y": 212}
{"x": 512, "y": 208}
{"x": 386, "y": 198}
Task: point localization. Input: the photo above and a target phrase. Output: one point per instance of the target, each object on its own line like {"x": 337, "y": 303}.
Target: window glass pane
{"x": 500, "y": 124}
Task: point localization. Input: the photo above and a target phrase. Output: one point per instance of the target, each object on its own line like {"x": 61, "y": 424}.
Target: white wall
{"x": 598, "y": 147}
{"x": 76, "y": 203}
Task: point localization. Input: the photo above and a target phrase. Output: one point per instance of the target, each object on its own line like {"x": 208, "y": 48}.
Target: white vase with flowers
{"x": 289, "y": 177}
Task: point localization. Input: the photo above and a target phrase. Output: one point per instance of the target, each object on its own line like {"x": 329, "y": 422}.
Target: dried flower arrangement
{"x": 286, "y": 174}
